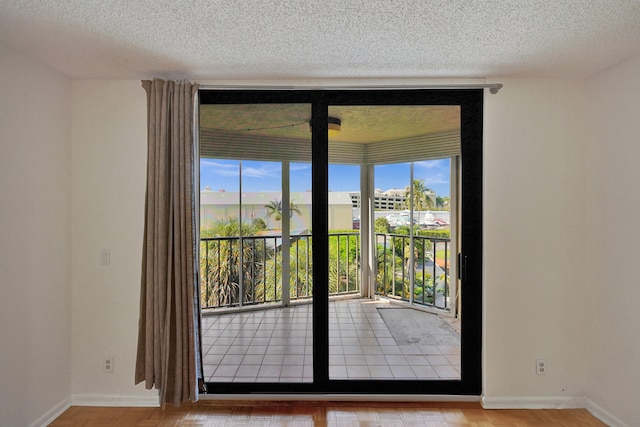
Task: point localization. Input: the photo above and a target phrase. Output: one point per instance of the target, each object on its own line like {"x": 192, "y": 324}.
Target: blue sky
{"x": 266, "y": 176}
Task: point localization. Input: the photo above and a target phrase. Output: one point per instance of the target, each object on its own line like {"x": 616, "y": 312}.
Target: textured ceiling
{"x": 308, "y": 39}
{"x": 360, "y": 124}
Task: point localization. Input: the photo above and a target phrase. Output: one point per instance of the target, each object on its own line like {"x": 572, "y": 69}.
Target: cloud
{"x": 299, "y": 166}
{"x": 432, "y": 164}
{"x": 263, "y": 171}
{"x": 436, "y": 180}
{"x": 220, "y": 168}
{"x": 232, "y": 169}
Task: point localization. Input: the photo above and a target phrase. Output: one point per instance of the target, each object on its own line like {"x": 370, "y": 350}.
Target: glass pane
{"x": 391, "y": 226}
{"x": 219, "y": 231}
{"x": 344, "y": 263}
{"x": 256, "y": 237}
{"x": 403, "y": 329}
{"x": 301, "y": 255}
{"x": 344, "y": 235}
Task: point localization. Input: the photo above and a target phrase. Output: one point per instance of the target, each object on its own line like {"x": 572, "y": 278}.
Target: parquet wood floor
{"x": 342, "y": 414}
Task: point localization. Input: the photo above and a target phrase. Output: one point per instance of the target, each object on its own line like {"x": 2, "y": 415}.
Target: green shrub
{"x": 438, "y": 234}
{"x": 382, "y": 225}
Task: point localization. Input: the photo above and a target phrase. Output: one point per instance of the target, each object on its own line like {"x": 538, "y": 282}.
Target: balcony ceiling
{"x": 360, "y": 124}
{"x": 303, "y": 40}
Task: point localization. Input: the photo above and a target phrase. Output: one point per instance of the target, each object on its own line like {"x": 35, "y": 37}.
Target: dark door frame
{"x": 470, "y": 268}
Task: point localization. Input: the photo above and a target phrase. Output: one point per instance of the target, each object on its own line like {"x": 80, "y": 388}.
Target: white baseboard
{"x": 53, "y": 413}
{"x": 557, "y": 402}
{"x": 534, "y": 402}
{"x": 603, "y": 415}
{"x": 113, "y": 400}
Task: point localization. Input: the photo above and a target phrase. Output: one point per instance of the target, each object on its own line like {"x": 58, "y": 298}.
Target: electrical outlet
{"x": 107, "y": 365}
{"x": 541, "y": 366}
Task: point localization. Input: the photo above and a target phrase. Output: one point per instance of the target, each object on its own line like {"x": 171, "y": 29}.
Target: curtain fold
{"x": 168, "y": 352}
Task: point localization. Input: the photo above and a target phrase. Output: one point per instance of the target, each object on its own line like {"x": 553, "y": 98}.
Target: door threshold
{"x": 332, "y": 397}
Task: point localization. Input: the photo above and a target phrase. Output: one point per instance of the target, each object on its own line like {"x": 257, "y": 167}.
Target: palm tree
{"x": 220, "y": 262}
{"x": 274, "y": 209}
{"x": 421, "y": 199}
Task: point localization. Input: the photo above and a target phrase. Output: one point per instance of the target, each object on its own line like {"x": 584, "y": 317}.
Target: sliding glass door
{"x": 332, "y": 225}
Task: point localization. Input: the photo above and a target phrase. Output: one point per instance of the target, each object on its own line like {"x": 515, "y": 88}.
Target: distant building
{"x": 385, "y": 201}
{"x": 343, "y": 212}
{"x": 218, "y": 205}
{"x": 389, "y": 200}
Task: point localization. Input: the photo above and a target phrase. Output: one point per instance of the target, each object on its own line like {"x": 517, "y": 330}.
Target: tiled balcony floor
{"x": 275, "y": 345}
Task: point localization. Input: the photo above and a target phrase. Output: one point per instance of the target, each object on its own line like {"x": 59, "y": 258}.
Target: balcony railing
{"x": 259, "y": 264}
{"x": 422, "y": 278}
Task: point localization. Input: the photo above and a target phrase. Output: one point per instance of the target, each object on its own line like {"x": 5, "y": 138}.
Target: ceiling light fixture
{"x": 334, "y": 124}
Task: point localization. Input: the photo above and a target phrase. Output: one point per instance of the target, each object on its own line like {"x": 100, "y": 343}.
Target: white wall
{"x": 35, "y": 240}
{"x": 109, "y": 145}
{"x": 533, "y": 242}
{"x": 613, "y": 178}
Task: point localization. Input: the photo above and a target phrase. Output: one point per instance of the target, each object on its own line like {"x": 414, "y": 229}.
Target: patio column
{"x": 411, "y": 242}
{"x": 454, "y": 247}
{"x": 367, "y": 232}
{"x": 286, "y": 232}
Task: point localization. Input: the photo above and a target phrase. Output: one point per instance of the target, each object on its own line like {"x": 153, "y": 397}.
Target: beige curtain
{"x": 168, "y": 348}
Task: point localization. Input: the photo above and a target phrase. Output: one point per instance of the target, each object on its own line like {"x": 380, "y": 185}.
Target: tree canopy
{"x": 421, "y": 199}
{"x": 274, "y": 210}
